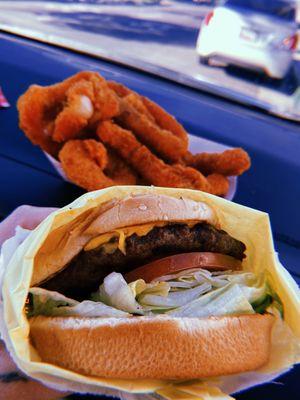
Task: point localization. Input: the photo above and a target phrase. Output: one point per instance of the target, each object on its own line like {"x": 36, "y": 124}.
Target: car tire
{"x": 204, "y": 60}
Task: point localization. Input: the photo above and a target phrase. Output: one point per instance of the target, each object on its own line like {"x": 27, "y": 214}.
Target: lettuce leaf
{"x": 173, "y": 299}
{"x": 88, "y": 308}
{"x": 157, "y": 288}
{"x": 228, "y": 300}
{"x": 189, "y": 293}
{"x": 48, "y": 303}
{"x": 45, "y": 302}
{"x": 115, "y": 292}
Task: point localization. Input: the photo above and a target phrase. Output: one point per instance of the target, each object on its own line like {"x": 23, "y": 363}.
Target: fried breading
{"x": 229, "y": 163}
{"x": 152, "y": 125}
{"x": 60, "y": 112}
{"x": 87, "y": 164}
{"x": 154, "y": 170}
{"x": 142, "y": 143}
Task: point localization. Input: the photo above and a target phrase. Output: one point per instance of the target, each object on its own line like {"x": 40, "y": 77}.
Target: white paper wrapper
{"x": 57, "y": 166}
{"x": 250, "y": 226}
{"x": 197, "y": 145}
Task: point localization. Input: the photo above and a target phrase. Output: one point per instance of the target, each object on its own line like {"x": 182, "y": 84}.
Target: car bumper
{"x": 274, "y": 63}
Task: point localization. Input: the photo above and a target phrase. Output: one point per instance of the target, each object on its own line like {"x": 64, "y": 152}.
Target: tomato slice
{"x": 180, "y": 262}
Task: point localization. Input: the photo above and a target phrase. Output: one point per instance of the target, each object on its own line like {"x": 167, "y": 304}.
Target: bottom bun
{"x": 154, "y": 347}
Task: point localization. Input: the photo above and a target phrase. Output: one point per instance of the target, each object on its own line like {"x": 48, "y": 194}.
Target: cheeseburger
{"x": 150, "y": 286}
{"x": 149, "y": 290}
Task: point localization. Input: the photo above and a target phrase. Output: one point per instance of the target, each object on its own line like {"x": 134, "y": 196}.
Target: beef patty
{"x": 87, "y": 270}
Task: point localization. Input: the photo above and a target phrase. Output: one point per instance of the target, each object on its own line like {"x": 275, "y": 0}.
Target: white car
{"x": 255, "y": 34}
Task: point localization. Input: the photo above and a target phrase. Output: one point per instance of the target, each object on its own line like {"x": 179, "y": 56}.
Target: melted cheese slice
{"x": 123, "y": 233}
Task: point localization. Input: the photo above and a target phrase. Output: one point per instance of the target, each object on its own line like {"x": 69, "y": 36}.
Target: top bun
{"x": 65, "y": 242}
{"x": 142, "y": 209}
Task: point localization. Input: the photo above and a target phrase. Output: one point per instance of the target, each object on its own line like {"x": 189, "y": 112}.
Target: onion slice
{"x": 181, "y": 262}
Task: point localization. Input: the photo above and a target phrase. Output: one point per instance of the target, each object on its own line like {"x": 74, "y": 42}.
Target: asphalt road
{"x": 158, "y": 36}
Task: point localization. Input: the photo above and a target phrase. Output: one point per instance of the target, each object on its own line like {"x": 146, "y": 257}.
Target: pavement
{"x": 157, "y": 37}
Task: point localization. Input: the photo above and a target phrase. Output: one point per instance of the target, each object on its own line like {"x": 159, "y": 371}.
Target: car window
{"x": 282, "y": 9}
{"x": 256, "y": 63}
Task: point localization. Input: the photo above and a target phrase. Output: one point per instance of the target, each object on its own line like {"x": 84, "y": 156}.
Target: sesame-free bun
{"x": 142, "y": 209}
{"x": 157, "y": 347}
{"x": 64, "y": 243}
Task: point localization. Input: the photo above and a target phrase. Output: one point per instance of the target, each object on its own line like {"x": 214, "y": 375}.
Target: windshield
{"x": 253, "y": 60}
{"x": 282, "y": 9}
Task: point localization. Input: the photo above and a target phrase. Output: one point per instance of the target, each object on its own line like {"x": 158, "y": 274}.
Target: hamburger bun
{"x": 142, "y": 347}
{"x": 154, "y": 347}
{"x": 142, "y": 209}
{"x": 65, "y": 242}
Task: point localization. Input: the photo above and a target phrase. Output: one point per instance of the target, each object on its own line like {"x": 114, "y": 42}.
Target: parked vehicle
{"x": 255, "y": 34}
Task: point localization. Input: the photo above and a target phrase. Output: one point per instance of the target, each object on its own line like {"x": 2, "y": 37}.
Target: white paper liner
{"x": 197, "y": 145}
{"x": 78, "y": 383}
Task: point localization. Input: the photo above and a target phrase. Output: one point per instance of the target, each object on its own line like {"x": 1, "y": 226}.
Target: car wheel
{"x": 204, "y": 60}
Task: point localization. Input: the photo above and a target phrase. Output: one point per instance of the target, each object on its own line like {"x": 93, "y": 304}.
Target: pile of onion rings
{"x": 105, "y": 134}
